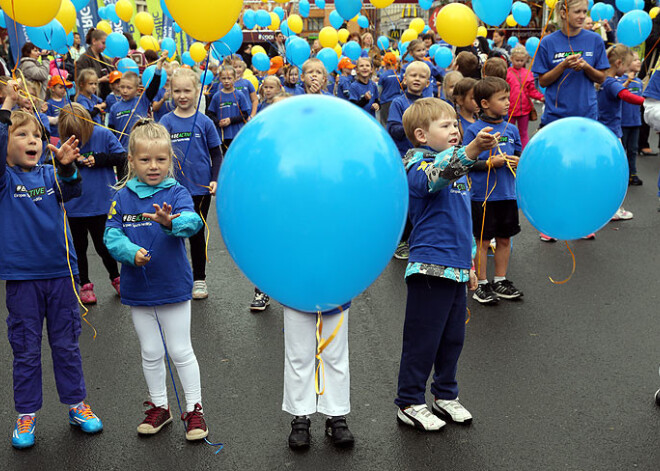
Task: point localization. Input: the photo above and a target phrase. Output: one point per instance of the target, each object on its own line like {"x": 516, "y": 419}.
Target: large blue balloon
{"x": 116, "y": 45}
{"x": 335, "y": 19}
{"x": 329, "y": 58}
{"x": 521, "y": 13}
{"x": 572, "y": 177}
{"x": 168, "y": 45}
{"x": 298, "y": 51}
{"x": 352, "y": 50}
{"x": 303, "y": 8}
{"x": 443, "y": 57}
{"x": 329, "y": 219}
{"x": 634, "y": 27}
{"x": 126, "y": 65}
{"x": 249, "y": 19}
{"x": 383, "y": 43}
{"x": 531, "y": 45}
{"x": 347, "y": 9}
{"x": 50, "y": 36}
{"x": 263, "y": 18}
{"x": 261, "y": 62}
{"x": 492, "y": 12}
{"x": 148, "y": 75}
{"x": 230, "y": 42}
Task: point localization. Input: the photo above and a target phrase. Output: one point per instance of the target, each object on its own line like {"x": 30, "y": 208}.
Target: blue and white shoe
{"x": 84, "y": 418}
{"x": 23, "y": 436}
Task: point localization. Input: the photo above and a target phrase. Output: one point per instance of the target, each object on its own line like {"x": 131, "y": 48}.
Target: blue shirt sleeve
{"x": 120, "y": 246}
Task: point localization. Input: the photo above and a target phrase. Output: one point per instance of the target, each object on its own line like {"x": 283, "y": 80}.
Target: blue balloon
{"x": 69, "y": 37}
{"x": 352, "y": 50}
{"x": 261, "y": 62}
{"x": 175, "y": 26}
{"x": 279, "y": 11}
{"x": 347, "y": 9}
{"x": 303, "y": 8}
{"x": 638, "y": 5}
{"x": 590, "y": 4}
{"x": 335, "y": 19}
{"x": 3, "y": 21}
{"x": 116, "y": 45}
{"x": 383, "y": 43}
{"x": 425, "y": 4}
{"x": 625, "y": 6}
{"x": 249, "y": 19}
{"x": 206, "y": 77}
{"x": 148, "y": 75}
{"x": 284, "y": 28}
{"x": 50, "y": 36}
{"x": 329, "y": 58}
{"x": 532, "y": 44}
{"x": 320, "y": 4}
{"x": 79, "y": 4}
{"x": 126, "y": 65}
{"x": 112, "y": 14}
{"x": 263, "y": 18}
{"x": 491, "y": 43}
{"x": 572, "y": 177}
{"x": 363, "y": 21}
{"x": 298, "y": 51}
{"x": 187, "y": 59}
{"x": 230, "y": 42}
{"x": 163, "y": 7}
{"x": 103, "y": 13}
{"x": 598, "y": 12}
{"x": 513, "y": 41}
{"x": 492, "y": 12}
{"x": 521, "y": 13}
{"x": 403, "y": 48}
{"x": 433, "y": 49}
{"x": 609, "y": 12}
{"x": 426, "y": 29}
{"x": 310, "y": 192}
{"x": 72, "y": 91}
{"x": 634, "y": 27}
{"x": 168, "y": 45}
{"x": 443, "y": 57}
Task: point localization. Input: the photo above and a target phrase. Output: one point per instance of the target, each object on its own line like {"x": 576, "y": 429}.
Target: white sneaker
{"x": 452, "y": 410}
{"x": 199, "y": 290}
{"x": 622, "y": 215}
{"x": 419, "y": 416}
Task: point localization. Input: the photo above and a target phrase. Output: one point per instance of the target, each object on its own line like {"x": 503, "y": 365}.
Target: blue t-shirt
{"x": 358, "y": 89}
{"x": 465, "y": 124}
{"x": 230, "y": 105}
{"x": 399, "y": 105}
{"x": 122, "y": 111}
{"x": 262, "y": 106}
{"x": 631, "y": 115}
{"x": 54, "y": 107}
{"x": 166, "y": 107}
{"x": 195, "y": 171}
{"x": 653, "y": 88}
{"x": 97, "y": 182}
{"x": 331, "y": 84}
{"x": 343, "y": 87}
{"x": 390, "y": 83}
{"x": 297, "y": 89}
{"x": 110, "y": 100}
{"x": 572, "y": 94}
{"x": 501, "y": 182}
{"x": 245, "y": 87}
{"x": 431, "y": 89}
{"x": 609, "y": 105}
{"x": 89, "y": 104}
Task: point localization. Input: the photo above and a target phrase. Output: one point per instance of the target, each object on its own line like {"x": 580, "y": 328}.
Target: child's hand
{"x": 44, "y": 107}
{"x": 367, "y": 95}
{"x": 162, "y": 59}
{"x": 224, "y": 122}
{"x": 473, "y": 284}
{"x": 314, "y": 87}
{"x": 497, "y": 160}
{"x": 89, "y": 161}
{"x": 11, "y": 93}
{"x": 513, "y": 160}
{"x": 162, "y": 216}
{"x": 375, "y": 107}
{"x": 68, "y": 151}
{"x": 142, "y": 257}
{"x": 487, "y": 141}
{"x": 213, "y": 186}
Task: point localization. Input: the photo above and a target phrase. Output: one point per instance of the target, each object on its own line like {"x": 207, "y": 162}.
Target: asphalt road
{"x": 563, "y": 380}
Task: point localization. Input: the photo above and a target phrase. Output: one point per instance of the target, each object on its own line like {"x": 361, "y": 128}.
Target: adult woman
{"x": 499, "y": 40}
{"x": 93, "y": 58}
{"x": 32, "y": 69}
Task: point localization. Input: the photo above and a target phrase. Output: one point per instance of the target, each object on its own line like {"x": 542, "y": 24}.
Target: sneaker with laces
{"x": 505, "y": 289}
{"x": 547, "y": 238}
{"x": 452, "y": 411}
{"x": 337, "y": 429}
{"x": 195, "y": 424}
{"x": 622, "y": 215}
{"x": 300, "y": 438}
{"x": 634, "y": 180}
{"x": 200, "y": 290}
{"x": 23, "y": 436}
{"x": 84, "y": 418}
{"x": 260, "y": 301}
{"x": 402, "y": 251}
{"x": 115, "y": 285}
{"x": 420, "y": 417}
{"x": 485, "y": 295}
{"x": 87, "y": 295}
{"x": 156, "y": 418}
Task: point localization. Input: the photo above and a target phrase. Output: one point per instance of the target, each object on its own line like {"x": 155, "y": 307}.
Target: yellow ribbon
{"x": 572, "y": 271}
{"x": 321, "y": 343}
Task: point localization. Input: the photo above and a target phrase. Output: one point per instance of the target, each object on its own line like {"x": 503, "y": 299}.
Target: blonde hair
{"x": 21, "y": 118}
{"x": 422, "y": 112}
{"x": 84, "y": 76}
{"x": 565, "y": 5}
{"x": 418, "y": 65}
{"x": 618, "y": 52}
{"x": 227, "y": 68}
{"x": 75, "y": 120}
{"x": 267, "y": 79}
{"x": 314, "y": 61}
{"x": 453, "y": 77}
{"x": 186, "y": 74}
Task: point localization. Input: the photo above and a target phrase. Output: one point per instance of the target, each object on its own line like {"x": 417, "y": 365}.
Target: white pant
{"x": 299, "y": 365}
{"x": 175, "y": 322}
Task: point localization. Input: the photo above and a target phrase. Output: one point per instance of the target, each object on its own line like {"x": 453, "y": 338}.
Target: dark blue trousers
{"x": 29, "y": 302}
{"x": 433, "y": 335}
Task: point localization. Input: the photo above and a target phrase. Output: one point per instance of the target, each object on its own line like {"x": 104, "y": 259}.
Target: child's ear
{"x": 484, "y": 104}
{"x": 420, "y": 135}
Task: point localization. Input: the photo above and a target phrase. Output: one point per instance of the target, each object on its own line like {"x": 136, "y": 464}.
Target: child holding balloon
{"x": 363, "y": 91}
{"x": 229, "y": 109}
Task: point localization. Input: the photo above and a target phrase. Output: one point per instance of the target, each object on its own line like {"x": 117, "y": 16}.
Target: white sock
{"x": 26, "y": 415}
{"x": 497, "y": 279}
{"x": 483, "y": 282}
{"x": 75, "y": 406}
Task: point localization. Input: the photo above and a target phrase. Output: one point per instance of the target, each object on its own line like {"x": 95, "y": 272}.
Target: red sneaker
{"x": 87, "y": 295}
{"x": 195, "y": 424}
{"x": 157, "y": 418}
{"x": 115, "y": 285}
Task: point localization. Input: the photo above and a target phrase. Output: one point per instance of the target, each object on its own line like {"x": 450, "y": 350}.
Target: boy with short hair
{"x": 345, "y": 80}
{"x": 494, "y": 191}
{"x": 363, "y": 91}
{"x": 58, "y": 89}
{"x": 439, "y": 268}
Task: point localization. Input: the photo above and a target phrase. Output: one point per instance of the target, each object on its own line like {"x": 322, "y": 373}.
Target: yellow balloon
{"x": 381, "y": 3}
{"x": 144, "y": 22}
{"x": 417, "y": 24}
{"x": 124, "y": 10}
{"x": 654, "y": 12}
{"x": 457, "y": 24}
{"x": 342, "y": 35}
{"x": 510, "y": 21}
{"x": 408, "y": 35}
{"x": 67, "y": 16}
{"x": 31, "y": 12}
{"x": 551, "y": 3}
{"x": 104, "y": 26}
{"x": 253, "y": 80}
{"x": 328, "y": 37}
{"x": 338, "y": 50}
{"x": 198, "y": 52}
{"x": 248, "y": 73}
{"x": 274, "y": 21}
{"x": 482, "y": 31}
{"x": 205, "y": 20}
{"x": 149, "y": 42}
{"x": 295, "y": 23}
{"x": 256, "y": 49}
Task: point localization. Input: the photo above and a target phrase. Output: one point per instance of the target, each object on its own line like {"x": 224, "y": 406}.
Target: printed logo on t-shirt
{"x": 459, "y": 187}
{"x": 36, "y": 194}
{"x": 123, "y": 113}
{"x": 135, "y": 220}
{"x": 563, "y": 55}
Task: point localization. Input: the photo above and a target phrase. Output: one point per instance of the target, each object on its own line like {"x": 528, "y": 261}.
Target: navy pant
{"x": 629, "y": 141}
{"x": 433, "y": 335}
{"x": 28, "y": 303}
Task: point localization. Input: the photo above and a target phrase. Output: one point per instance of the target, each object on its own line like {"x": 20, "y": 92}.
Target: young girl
{"x": 87, "y": 84}
{"x": 315, "y": 77}
{"x": 100, "y": 151}
{"x": 243, "y": 85}
{"x": 291, "y": 76}
{"x": 57, "y": 87}
{"x": 631, "y": 118}
{"x": 363, "y": 91}
{"x": 390, "y": 84}
{"x": 229, "y": 109}
{"x": 523, "y": 90}
{"x": 270, "y": 87}
{"x": 448, "y": 84}
{"x": 197, "y": 170}
{"x": 466, "y": 106}
{"x": 148, "y": 219}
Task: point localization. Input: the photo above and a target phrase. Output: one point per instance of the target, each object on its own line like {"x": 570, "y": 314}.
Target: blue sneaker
{"x": 24, "y": 432}
{"x": 84, "y": 418}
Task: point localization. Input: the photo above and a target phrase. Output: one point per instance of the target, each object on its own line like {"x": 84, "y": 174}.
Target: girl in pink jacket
{"x": 518, "y": 77}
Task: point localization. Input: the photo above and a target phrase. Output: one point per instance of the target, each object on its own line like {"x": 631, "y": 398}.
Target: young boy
{"x": 229, "y": 110}
{"x": 115, "y": 95}
{"x": 363, "y": 91}
{"x": 389, "y": 83}
{"x": 58, "y": 87}
{"x": 440, "y": 259}
{"x": 346, "y": 78}
{"x": 33, "y": 260}
{"x": 501, "y": 219}
{"x": 244, "y": 86}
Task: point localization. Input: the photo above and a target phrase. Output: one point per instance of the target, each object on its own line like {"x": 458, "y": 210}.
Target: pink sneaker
{"x": 87, "y": 295}
{"x": 115, "y": 285}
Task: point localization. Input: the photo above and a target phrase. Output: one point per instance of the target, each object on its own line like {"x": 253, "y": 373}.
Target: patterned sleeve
{"x": 447, "y": 167}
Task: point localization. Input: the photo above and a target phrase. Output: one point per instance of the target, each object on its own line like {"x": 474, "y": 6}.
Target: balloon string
{"x": 321, "y": 344}
{"x": 572, "y": 271}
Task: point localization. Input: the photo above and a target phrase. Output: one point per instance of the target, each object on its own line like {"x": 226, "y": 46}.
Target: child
{"x": 631, "y": 118}
{"x": 315, "y": 77}
{"x": 243, "y": 85}
{"x": 198, "y": 162}
{"x": 449, "y": 83}
{"x": 495, "y": 67}
{"x": 467, "y": 64}
{"x": 440, "y": 261}
{"x": 270, "y": 87}
{"x": 29, "y": 102}
{"x": 523, "y": 90}
{"x": 416, "y": 79}
{"x": 115, "y": 95}
{"x": 156, "y": 280}
{"x": 390, "y": 86}
{"x": 87, "y": 84}
{"x": 33, "y": 260}
{"x": 465, "y": 105}
{"x": 363, "y": 91}
{"x": 229, "y": 110}
{"x": 417, "y": 50}
{"x": 501, "y": 208}
{"x": 100, "y": 151}
{"x": 57, "y": 87}
{"x": 345, "y": 80}
{"x": 291, "y": 76}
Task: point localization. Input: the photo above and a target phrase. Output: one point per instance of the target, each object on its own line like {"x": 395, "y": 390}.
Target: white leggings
{"x": 175, "y": 322}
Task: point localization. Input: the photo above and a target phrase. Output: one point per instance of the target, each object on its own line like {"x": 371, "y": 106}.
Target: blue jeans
{"x": 629, "y": 141}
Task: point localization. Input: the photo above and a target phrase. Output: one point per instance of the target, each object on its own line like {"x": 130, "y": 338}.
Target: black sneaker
{"x": 485, "y": 295}
{"x": 337, "y": 429}
{"x": 634, "y": 180}
{"x": 260, "y": 301}
{"x": 299, "y": 438}
{"x": 505, "y": 289}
